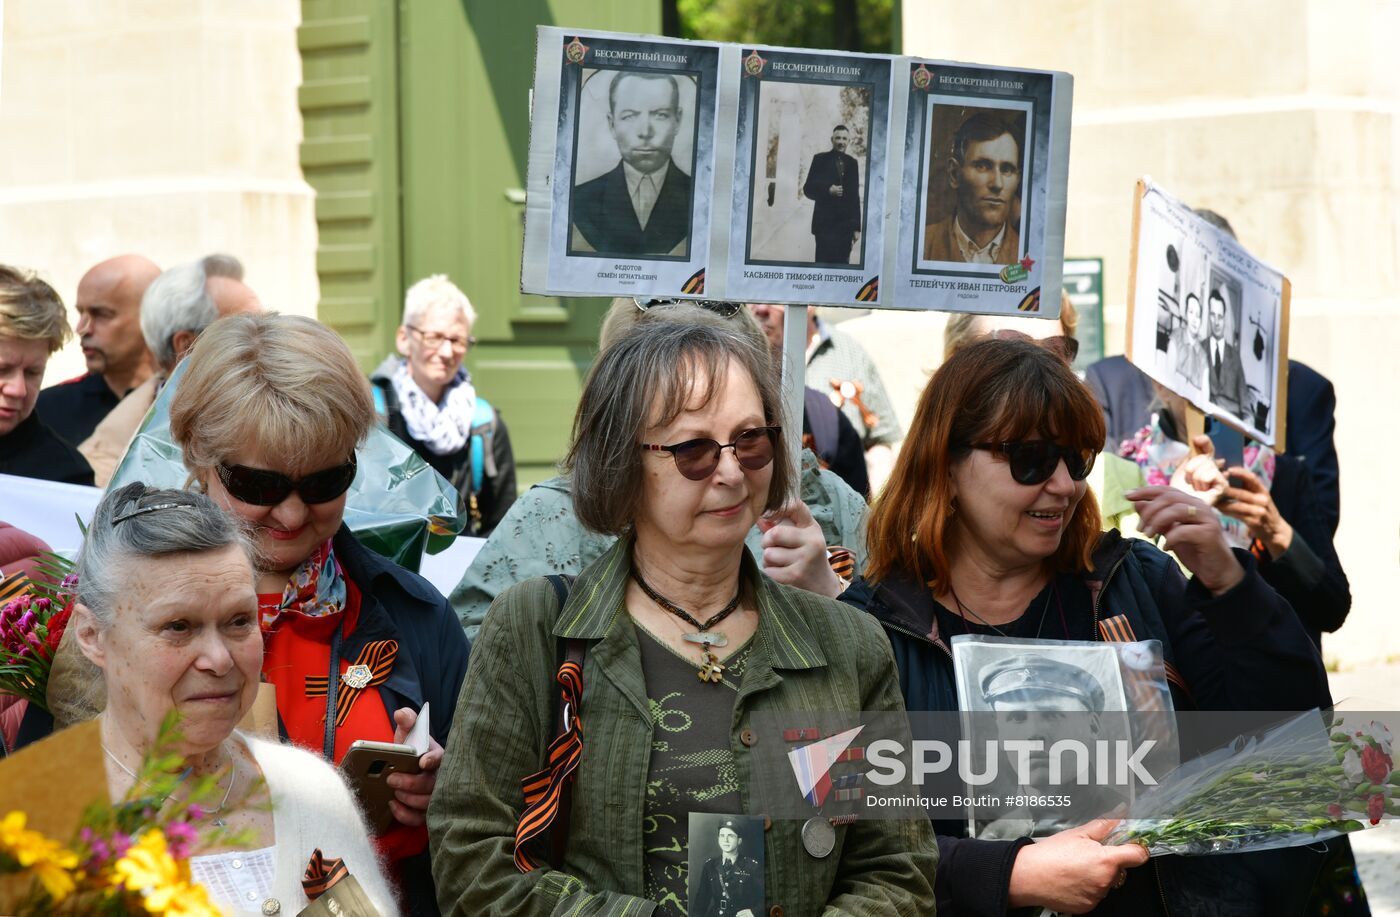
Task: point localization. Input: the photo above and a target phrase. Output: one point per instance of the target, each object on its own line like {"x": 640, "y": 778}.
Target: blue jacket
{"x": 1244, "y": 650}
{"x": 396, "y": 604}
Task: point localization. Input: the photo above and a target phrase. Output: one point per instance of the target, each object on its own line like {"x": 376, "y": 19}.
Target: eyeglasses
{"x": 719, "y": 307}
{"x": 1062, "y": 345}
{"x": 432, "y": 340}
{"x": 1033, "y": 462}
{"x": 697, "y": 459}
{"x": 261, "y": 487}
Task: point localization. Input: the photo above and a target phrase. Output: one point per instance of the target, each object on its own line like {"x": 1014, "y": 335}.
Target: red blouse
{"x": 298, "y": 647}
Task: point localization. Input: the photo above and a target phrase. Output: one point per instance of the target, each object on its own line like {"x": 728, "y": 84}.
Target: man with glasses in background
{"x": 426, "y": 398}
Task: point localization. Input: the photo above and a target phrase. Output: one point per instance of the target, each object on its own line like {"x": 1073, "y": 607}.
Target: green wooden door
{"x": 446, "y": 153}
{"x": 350, "y": 155}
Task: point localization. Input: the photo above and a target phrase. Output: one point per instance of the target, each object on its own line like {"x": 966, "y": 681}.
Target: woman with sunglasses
{"x": 677, "y": 450}
{"x": 987, "y": 527}
{"x": 268, "y": 415}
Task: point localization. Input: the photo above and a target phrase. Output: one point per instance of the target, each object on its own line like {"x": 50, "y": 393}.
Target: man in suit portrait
{"x": 1226, "y": 371}
{"x": 833, "y": 183}
{"x": 642, "y": 206}
{"x": 984, "y": 172}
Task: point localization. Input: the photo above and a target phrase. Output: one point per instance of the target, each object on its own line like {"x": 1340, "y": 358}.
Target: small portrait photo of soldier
{"x": 1037, "y": 698}
{"x": 634, "y": 162}
{"x": 726, "y": 866}
{"x": 976, "y": 164}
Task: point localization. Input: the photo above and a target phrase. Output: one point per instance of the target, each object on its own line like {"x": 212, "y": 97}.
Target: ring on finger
{"x": 1191, "y": 512}
{"x": 1122, "y": 878}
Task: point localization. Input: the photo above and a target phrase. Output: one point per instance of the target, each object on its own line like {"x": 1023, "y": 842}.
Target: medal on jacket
{"x": 818, "y": 837}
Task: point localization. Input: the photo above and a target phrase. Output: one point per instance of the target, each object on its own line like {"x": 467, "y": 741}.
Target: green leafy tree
{"x": 842, "y": 25}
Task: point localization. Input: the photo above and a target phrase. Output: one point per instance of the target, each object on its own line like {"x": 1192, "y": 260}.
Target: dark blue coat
{"x": 1244, "y": 650}
{"x": 396, "y": 604}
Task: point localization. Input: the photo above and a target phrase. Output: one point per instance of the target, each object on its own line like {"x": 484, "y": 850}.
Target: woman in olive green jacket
{"x": 674, "y": 450}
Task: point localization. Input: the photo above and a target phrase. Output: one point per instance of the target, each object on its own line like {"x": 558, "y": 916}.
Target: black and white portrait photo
{"x": 725, "y": 868}
{"x": 1045, "y": 693}
{"x": 1181, "y": 315}
{"x": 1224, "y": 353}
{"x": 809, "y": 171}
{"x": 1205, "y": 316}
{"x": 633, "y": 180}
{"x": 974, "y": 201}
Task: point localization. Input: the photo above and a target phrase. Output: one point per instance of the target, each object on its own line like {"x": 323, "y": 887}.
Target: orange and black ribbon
{"x": 842, "y": 561}
{"x": 378, "y": 656}
{"x": 321, "y": 874}
{"x": 1117, "y": 630}
{"x": 544, "y": 790}
{"x": 13, "y": 587}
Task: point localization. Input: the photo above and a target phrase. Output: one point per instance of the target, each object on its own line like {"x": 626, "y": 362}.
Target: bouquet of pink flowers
{"x": 30, "y": 628}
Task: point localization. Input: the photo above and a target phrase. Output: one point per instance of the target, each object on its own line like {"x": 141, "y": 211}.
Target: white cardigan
{"x": 312, "y": 807}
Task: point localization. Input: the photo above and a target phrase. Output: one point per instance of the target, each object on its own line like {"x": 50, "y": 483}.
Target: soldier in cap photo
{"x": 731, "y": 884}
{"x": 1038, "y": 698}
{"x": 1029, "y": 681}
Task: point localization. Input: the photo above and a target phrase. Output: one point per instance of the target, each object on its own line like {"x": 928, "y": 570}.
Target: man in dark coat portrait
{"x": 642, "y": 206}
{"x": 731, "y": 885}
{"x": 833, "y": 183}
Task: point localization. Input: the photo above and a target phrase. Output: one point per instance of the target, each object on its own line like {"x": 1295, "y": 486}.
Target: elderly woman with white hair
{"x": 426, "y": 398}
{"x": 167, "y": 609}
{"x": 268, "y": 416}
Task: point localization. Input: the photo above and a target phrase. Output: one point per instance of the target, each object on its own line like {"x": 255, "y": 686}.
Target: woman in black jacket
{"x": 986, "y": 526}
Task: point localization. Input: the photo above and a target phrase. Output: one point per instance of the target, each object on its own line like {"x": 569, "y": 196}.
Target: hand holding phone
{"x": 367, "y": 767}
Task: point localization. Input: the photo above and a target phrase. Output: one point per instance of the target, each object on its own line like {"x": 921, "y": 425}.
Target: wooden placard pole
{"x": 794, "y": 381}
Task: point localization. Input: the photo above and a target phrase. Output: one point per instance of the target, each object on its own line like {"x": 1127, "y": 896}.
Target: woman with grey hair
{"x": 166, "y": 608}
{"x": 676, "y": 451}
{"x": 268, "y": 417}
{"x": 426, "y": 398}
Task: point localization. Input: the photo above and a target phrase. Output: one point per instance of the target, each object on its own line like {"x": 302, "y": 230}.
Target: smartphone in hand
{"x": 366, "y": 768}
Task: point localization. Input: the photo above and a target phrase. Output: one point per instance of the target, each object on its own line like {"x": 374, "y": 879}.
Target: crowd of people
{"x": 593, "y": 680}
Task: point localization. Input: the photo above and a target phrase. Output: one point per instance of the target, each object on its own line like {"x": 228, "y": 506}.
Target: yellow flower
{"x": 148, "y": 868}
{"x": 49, "y": 860}
{"x": 162, "y": 881}
{"x": 190, "y": 901}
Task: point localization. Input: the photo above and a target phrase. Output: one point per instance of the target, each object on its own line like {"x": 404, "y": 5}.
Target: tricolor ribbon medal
{"x": 371, "y": 668}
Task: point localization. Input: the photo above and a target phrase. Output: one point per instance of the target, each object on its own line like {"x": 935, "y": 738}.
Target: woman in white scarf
{"x": 427, "y": 399}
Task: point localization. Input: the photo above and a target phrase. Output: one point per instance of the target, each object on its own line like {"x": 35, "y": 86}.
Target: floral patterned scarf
{"x": 1159, "y": 456}
{"x": 316, "y": 589}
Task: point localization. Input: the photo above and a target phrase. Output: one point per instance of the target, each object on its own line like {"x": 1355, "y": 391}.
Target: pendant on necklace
{"x": 707, "y": 639}
{"x": 712, "y": 670}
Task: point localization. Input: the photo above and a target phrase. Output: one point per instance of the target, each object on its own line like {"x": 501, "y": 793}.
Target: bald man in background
{"x": 109, "y": 330}
{"x": 176, "y": 308}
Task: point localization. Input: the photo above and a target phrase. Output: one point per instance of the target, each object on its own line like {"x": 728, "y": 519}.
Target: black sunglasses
{"x": 697, "y": 459}
{"x": 719, "y": 307}
{"x": 261, "y": 487}
{"x": 1034, "y": 461}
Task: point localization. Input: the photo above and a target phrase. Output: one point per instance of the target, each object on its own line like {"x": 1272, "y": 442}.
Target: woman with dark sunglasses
{"x": 268, "y": 415}
{"x": 987, "y": 527}
{"x": 678, "y": 450}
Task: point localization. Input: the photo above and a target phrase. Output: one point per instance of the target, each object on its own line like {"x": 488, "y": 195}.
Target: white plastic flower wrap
{"x": 1301, "y": 782}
